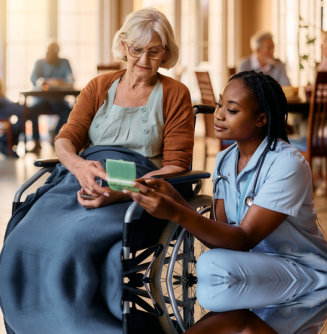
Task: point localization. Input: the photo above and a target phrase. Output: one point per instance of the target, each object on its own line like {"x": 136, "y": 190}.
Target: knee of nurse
{"x": 213, "y": 279}
{"x": 209, "y": 260}
{"x": 202, "y": 264}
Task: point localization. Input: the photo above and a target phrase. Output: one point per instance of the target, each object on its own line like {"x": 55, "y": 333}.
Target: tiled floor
{"x": 13, "y": 172}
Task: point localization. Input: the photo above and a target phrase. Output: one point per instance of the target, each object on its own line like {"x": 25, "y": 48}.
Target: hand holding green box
{"x": 121, "y": 174}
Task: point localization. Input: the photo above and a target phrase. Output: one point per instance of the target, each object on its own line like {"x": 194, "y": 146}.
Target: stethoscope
{"x": 250, "y": 197}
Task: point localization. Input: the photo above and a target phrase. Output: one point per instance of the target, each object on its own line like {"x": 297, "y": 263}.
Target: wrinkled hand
{"x": 92, "y": 202}
{"x": 157, "y": 197}
{"x": 86, "y": 172}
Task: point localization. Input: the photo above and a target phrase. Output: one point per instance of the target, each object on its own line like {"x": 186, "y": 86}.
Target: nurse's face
{"x": 236, "y": 115}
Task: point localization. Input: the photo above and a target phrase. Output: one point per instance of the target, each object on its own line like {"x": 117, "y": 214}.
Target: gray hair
{"x": 138, "y": 29}
{"x": 258, "y": 38}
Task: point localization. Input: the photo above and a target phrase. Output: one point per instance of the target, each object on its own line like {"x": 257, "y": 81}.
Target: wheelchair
{"x": 164, "y": 266}
{"x": 158, "y": 259}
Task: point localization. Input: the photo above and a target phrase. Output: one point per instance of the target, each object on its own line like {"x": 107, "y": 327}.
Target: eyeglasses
{"x": 154, "y": 53}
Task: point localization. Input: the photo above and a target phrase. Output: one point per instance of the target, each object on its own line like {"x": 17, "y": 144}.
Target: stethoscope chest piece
{"x": 249, "y": 200}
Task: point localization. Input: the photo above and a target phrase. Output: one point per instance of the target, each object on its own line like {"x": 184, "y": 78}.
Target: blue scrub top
{"x": 284, "y": 185}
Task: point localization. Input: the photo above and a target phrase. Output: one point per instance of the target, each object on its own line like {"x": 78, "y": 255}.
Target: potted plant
{"x": 307, "y": 59}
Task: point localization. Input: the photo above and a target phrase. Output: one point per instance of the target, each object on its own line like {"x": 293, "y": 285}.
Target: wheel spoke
{"x": 178, "y": 261}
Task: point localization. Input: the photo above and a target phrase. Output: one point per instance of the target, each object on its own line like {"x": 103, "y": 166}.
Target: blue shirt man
{"x": 58, "y": 73}
{"x": 54, "y": 72}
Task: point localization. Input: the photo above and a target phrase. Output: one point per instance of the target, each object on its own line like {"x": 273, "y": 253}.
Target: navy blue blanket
{"x": 54, "y": 265}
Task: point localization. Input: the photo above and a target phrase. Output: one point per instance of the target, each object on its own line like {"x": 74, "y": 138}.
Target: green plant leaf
{"x": 304, "y": 57}
{"x": 311, "y": 40}
{"x": 301, "y": 67}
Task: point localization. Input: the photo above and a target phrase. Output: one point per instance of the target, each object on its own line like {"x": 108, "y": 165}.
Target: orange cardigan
{"x": 177, "y": 113}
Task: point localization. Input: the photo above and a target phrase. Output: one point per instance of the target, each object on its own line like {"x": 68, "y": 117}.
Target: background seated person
{"x": 262, "y": 59}
{"x": 136, "y": 115}
{"x": 8, "y": 109}
{"x": 53, "y": 72}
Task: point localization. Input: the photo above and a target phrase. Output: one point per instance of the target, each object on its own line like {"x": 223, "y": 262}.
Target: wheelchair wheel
{"x": 173, "y": 276}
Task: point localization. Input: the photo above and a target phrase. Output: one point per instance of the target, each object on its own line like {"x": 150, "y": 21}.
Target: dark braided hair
{"x": 272, "y": 102}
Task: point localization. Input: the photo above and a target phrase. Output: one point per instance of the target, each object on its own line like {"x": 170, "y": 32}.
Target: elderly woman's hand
{"x": 87, "y": 173}
{"x": 92, "y": 202}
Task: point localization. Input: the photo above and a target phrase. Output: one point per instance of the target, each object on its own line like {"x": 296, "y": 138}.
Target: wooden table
{"x": 298, "y": 103}
{"x": 298, "y": 111}
{"x": 50, "y": 95}
{"x": 300, "y": 106}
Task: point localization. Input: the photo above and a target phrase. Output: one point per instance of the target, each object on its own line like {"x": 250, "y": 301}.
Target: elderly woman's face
{"x": 145, "y": 62}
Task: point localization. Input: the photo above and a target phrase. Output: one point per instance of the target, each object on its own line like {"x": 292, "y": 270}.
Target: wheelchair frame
{"x": 141, "y": 271}
{"x": 170, "y": 313}
{"x": 175, "y": 313}
{"x": 155, "y": 275}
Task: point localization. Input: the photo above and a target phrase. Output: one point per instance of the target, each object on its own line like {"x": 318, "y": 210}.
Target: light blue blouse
{"x": 139, "y": 129}
{"x": 284, "y": 185}
{"x": 61, "y": 70}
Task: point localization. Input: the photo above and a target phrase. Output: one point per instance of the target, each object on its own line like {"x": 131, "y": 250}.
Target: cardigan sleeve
{"x": 88, "y": 103}
{"x": 179, "y": 124}
{"x": 79, "y": 121}
{"x": 178, "y": 117}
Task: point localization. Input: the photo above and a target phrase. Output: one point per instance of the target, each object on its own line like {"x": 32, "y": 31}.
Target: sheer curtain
{"x": 78, "y": 32}
{"x": 26, "y": 34}
{"x": 297, "y": 25}
{"x": 32, "y": 24}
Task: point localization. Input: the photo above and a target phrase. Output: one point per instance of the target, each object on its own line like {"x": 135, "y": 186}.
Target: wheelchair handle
{"x": 203, "y": 109}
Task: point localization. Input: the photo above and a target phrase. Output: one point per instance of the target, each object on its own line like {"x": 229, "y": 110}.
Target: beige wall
{"x": 3, "y": 41}
{"x": 254, "y": 15}
{"x": 111, "y": 17}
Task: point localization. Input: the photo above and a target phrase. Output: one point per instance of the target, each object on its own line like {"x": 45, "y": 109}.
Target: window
{"x": 30, "y": 26}
{"x": 203, "y": 31}
{"x": 297, "y": 28}
{"x": 26, "y": 33}
{"x": 78, "y": 37}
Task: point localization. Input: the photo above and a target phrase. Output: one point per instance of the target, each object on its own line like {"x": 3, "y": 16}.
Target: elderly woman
{"x": 69, "y": 254}
{"x": 137, "y": 108}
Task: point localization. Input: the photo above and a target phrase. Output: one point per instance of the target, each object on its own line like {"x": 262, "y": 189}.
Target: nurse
{"x": 263, "y": 232}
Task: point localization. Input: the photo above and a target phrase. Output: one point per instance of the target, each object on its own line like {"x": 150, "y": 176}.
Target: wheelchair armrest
{"x": 203, "y": 109}
{"x": 184, "y": 182}
{"x": 46, "y": 162}
{"x": 184, "y": 177}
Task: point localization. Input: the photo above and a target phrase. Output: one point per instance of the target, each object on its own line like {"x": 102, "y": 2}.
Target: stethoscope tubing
{"x": 248, "y": 199}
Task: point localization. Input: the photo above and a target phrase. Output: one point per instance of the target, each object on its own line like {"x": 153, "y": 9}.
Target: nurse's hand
{"x": 157, "y": 197}
{"x": 163, "y": 187}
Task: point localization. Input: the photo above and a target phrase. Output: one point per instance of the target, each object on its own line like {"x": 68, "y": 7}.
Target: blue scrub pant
{"x": 229, "y": 280}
